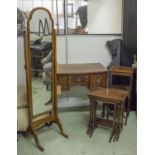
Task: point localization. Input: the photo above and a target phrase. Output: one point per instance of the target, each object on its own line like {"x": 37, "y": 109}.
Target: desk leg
{"x": 92, "y": 81}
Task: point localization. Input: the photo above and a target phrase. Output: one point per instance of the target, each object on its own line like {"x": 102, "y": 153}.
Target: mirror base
{"x": 33, "y": 132}
{"x": 61, "y": 129}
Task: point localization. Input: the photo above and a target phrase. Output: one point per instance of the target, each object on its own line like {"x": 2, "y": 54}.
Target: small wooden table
{"x": 110, "y": 96}
{"x": 90, "y": 75}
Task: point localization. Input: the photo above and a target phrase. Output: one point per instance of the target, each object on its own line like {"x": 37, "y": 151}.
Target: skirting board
{"x": 79, "y": 108}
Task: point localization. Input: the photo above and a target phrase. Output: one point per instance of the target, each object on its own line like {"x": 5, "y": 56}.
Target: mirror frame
{"x": 51, "y": 116}
{"x": 32, "y": 118}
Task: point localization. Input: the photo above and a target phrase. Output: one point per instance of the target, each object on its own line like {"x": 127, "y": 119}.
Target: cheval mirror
{"x": 40, "y": 41}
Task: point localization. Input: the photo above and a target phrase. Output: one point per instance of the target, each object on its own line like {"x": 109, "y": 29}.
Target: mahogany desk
{"x": 90, "y": 75}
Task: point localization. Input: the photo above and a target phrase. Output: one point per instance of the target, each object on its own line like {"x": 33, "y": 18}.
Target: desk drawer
{"x": 101, "y": 80}
{"x": 79, "y": 80}
{"x": 90, "y": 80}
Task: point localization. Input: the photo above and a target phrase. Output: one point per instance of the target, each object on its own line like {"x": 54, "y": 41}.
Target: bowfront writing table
{"x": 90, "y": 75}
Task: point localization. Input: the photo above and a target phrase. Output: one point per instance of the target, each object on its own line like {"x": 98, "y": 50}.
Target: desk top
{"x": 83, "y": 68}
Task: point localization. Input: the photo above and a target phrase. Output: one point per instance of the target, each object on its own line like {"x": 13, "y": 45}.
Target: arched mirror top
{"x": 40, "y": 22}
{"x": 40, "y": 9}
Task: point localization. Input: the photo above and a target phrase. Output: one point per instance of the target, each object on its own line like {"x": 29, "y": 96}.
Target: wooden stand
{"x": 51, "y": 116}
{"x": 113, "y": 97}
{"x": 123, "y": 71}
{"x": 90, "y": 75}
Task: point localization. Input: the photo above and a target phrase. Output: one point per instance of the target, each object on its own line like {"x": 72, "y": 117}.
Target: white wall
{"x": 104, "y": 16}
{"x": 61, "y": 49}
{"x": 89, "y": 48}
{"x": 84, "y": 49}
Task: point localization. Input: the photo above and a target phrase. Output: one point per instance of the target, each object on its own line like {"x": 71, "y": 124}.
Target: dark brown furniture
{"x": 123, "y": 71}
{"x": 90, "y": 75}
{"x": 113, "y": 97}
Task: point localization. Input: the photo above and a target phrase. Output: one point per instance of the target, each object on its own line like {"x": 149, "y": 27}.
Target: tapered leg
{"x": 108, "y": 111}
{"x": 90, "y": 118}
{"x": 114, "y": 124}
{"x": 61, "y": 128}
{"x": 128, "y": 110}
{"x": 93, "y": 125}
{"x": 118, "y": 122}
{"x": 36, "y": 139}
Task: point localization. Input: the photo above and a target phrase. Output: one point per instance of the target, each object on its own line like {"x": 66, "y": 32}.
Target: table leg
{"x": 128, "y": 109}
{"x": 103, "y": 110}
{"x": 114, "y": 123}
{"x": 90, "y": 118}
{"x": 92, "y": 122}
{"x": 94, "y": 117}
{"x": 118, "y": 122}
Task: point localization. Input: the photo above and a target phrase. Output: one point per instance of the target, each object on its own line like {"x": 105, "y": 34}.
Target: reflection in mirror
{"x": 41, "y": 60}
{"x": 77, "y": 16}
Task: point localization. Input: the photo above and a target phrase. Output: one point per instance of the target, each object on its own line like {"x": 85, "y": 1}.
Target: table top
{"x": 109, "y": 94}
{"x": 122, "y": 70}
{"x": 83, "y": 68}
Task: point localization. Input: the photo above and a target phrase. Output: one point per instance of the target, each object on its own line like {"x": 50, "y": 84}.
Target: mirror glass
{"x": 40, "y": 28}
